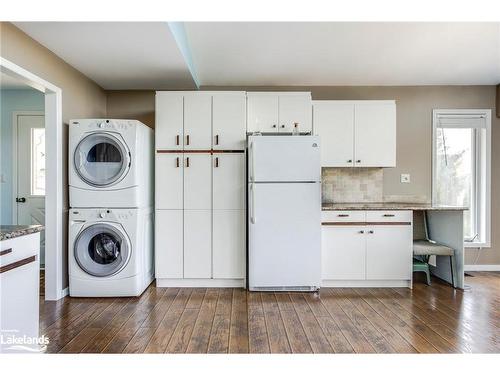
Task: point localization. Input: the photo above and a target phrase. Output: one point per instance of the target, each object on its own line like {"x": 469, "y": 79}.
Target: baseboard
{"x": 481, "y": 267}
{"x": 200, "y": 283}
{"x": 366, "y": 284}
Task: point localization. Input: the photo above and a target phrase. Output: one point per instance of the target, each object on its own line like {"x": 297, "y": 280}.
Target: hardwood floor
{"x": 427, "y": 319}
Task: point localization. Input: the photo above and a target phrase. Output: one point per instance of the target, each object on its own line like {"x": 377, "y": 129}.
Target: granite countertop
{"x": 389, "y": 206}
{"x": 13, "y": 231}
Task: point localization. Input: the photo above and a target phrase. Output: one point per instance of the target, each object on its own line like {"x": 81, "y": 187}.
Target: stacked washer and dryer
{"x": 111, "y": 215}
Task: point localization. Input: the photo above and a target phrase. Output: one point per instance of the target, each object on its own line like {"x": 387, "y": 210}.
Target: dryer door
{"x": 102, "y": 249}
{"x": 101, "y": 159}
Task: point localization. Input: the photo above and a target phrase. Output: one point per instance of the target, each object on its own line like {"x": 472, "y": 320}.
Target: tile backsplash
{"x": 347, "y": 185}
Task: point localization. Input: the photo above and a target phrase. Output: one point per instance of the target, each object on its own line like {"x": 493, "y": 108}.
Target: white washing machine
{"x": 110, "y": 163}
{"x": 110, "y": 251}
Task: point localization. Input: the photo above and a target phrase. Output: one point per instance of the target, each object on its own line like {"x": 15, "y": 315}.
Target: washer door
{"x": 102, "y": 250}
{"x": 101, "y": 159}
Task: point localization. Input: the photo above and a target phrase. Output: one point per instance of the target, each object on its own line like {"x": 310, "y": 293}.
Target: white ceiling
{"x": 117, "y": 55}
{"x": 127, "y": 55}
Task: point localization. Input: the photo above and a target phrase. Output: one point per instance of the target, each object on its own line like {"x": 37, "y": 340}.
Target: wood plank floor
{"x": 427, "y": 319}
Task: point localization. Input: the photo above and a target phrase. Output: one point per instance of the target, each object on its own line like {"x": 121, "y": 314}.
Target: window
{"x": 37, "y": 161}
{"x": 461, "y": 168}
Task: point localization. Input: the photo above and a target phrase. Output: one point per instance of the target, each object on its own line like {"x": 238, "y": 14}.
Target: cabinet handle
{"x": 17, "y": 264}
{"x": 349, "y": 161}
{"x": 6, "y": 251}
{"x": 217, "y": 139}
{"x": 177, "y": 162}
{"x": 282, "y": 126}
{"x": 187, "y": 162}
{"x": 187, "y": 139}
{"x": 343, "y": 215}
{"x": 389, "y": 215}
{"x": 274, "y": 126}
{"x": 361, "y": 231}
{"x": 296, "y": 125}
{"x": 177, "y": 140}
{"x": 217, "y": 162}
{"x": 358, "y": 161}
{"x": 370, "y": 231}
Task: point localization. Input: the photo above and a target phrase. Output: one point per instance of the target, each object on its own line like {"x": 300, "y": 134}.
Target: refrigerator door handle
{"x": 253, "y": 219}
{"x": 252, "y": 160}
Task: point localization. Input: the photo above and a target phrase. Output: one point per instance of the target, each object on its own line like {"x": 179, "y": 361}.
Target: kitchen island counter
{"x": 382, "y": 206}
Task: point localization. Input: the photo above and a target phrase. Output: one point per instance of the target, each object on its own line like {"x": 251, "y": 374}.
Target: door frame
{"x": 55, "y": 287}
{"x": 15, "y": 128}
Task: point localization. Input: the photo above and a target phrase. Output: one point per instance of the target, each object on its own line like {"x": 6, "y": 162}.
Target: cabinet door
{"x": 229, "y": 121}
{"x": 389, "y": 252}
{"x": 295, "y": 109}
{"x": 262, "y": 113}
{"x": 197, "y": 122}
{"x": 197, "y": 244}
{"x": 229, "y": 239}
{"x": 169, "y": 181}
{"x": 334, "y": 123}
{"x": 343, "y": 252}
{"x": 197, "y": 181}
{"x": 229, "y": 181}
{"x": 169, "y": 121}
{"x": 375, "y": 135}
{"x": 169, "y": 251}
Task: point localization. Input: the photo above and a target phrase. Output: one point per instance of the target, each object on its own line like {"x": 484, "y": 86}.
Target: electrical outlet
{"x": 405, "y": 178}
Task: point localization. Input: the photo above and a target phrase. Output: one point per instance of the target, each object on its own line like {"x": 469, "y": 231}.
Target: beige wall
{"x": 81, "y": 97}
{"x": 414, "y": 122}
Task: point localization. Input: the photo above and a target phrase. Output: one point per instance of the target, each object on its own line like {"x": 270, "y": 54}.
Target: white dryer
{"x": 110, "y": 252}
{"x": 110, "y": 163}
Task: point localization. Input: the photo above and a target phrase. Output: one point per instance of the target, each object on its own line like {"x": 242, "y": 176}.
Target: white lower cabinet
{"x": 387, "y": 252}
{"x": 197, "y": 244}
{"x": 343, "y": 252}
{"x": 169, "y": 244}
{"x": 229, "y": 244}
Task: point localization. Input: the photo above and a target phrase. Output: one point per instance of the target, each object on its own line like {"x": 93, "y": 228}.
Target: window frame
{"x": 482, "y": 171}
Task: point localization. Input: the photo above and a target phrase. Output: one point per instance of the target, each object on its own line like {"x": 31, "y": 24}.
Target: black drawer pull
{"x": 17, "y": 264}
{"x": 6, "y": 251}
{"x": 343, "y": 215}
{"x": 389, "y": 215}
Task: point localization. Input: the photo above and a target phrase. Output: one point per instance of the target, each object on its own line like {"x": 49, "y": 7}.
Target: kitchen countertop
{"x": 12, "y": 231}
{"x": 389, "y": 206}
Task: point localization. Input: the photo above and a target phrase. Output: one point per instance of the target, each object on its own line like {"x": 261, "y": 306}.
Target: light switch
{"x": 405, "y": 178}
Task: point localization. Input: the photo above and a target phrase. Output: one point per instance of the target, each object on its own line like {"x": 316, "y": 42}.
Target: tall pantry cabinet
{"x": 200, "y": 230}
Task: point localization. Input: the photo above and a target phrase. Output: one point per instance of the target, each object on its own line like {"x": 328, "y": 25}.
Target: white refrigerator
{"x": 284, "y": 213}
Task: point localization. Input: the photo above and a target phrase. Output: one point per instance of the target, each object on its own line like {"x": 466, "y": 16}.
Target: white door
{"x": 375, "y": 135}
{"x": 284, "y": 158}
{"x": 262, "y": 113}
{"x": 229, "y": 244}
{"x": 197, "y": 122}
{"x": 197, "y": 244}
{"x": 197, "y": 181}
{"x": 334, "y": 124}
{"x": 229, "y": 121}
{"x": 389, "y": 252}
{"x": 169, "y": 246}
{"x": 29, "y": 205}
{"x": 169, "y": 183}
{"x": 343, "y": 250}
{"x": 295, "y": 109}
{"x": 169, "y": 121}
{"x": 284, "y": 234}
{"x": 229, "y": 181}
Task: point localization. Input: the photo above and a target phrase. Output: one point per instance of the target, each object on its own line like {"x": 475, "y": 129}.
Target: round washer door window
{"x": 101, "y": 159}
{"x": 101, "y": 250}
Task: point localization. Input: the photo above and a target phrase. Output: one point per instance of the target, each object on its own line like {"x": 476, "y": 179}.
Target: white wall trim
{"x": 200, "y": 283}
{"x": 481, "y": 267}
{"x": 54, "y": 209}
{"x": 15, "y": 129}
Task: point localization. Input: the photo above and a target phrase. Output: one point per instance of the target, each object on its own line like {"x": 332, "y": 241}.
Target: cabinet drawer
{"x": 343, "y": 216}
{"x": 389, "y": 216}
{"x": 19, "y": 248}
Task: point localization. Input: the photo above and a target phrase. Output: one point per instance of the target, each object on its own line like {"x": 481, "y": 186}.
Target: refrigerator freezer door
{"x": 284, "y": 158}
{"x": 284, "y": 235}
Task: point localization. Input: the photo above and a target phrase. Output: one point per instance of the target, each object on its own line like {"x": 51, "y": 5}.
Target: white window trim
{"x": 486, "y": 113}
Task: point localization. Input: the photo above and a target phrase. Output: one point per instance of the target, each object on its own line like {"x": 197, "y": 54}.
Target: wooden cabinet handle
{"x": 177, "y": 162}
{"x": 177, "y": 140}
{"x": 6, "y": 251}
{"x": 187, "y": 162}
{"x": 187, "y": 139}
{"x": 217, "y": 139}
{"x": 216, "y": 162}
{"x": 17, "y": 264}
{"x": 389, "y": 215}
{"x": 343, "y": 215}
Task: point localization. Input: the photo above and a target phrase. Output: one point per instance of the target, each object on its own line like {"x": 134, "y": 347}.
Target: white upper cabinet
{"x": 197, "y": 121}
{"x": 229, "y": 121}
{"x": 169, "y": 121}
{"x": 272, "y": 112}
{"x": 334, "y": 123}
{"x": 229, "y": 181}
{"x": 356, "y": 133}
{"x": 375, "y": 134}
{"x": 295, "y": 111}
